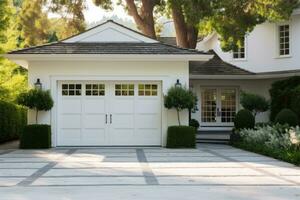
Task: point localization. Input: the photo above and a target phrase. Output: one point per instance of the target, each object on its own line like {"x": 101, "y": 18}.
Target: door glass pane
{"x": 209, "y": 105}
{"x": 228, "y": 105}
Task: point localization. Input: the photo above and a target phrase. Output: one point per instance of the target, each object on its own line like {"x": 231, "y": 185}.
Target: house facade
{"x": 108, "y": 85}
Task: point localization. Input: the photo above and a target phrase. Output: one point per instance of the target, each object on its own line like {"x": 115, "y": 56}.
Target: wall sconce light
{"x": 38, "y": 84}
{"x": 177, "y": 84}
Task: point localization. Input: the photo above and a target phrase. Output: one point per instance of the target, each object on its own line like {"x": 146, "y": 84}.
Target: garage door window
{"x": 71, "y": 89}
{"x": 124, "y": 89}
{"x": 95, "y": 90}
{"x": 147, "y": 89}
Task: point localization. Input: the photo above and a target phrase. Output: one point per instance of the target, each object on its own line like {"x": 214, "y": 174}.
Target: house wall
{"x": 262, "y": 53}
{"x": 260, "y": 87}
{"x": 49, "y": 72}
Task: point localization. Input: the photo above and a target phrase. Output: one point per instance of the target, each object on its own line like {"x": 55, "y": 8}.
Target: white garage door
{"x": 109, "y": 113}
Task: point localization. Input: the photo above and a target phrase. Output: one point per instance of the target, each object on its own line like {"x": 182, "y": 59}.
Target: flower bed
{"x": 278, "y": 141}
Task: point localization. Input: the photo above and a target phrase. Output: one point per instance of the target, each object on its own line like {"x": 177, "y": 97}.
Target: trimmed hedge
{"x": 287, "y": 116}
{"x": 181, "y": 137}
{"x": 37, "y": 136}
{"x": 13, "y": 118}
{"x": 244, "y": 119}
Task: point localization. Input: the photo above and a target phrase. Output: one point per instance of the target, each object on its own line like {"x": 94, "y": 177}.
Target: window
{"x": 124, "y": 89}
{"x": 240, "y": 52}
{"x": 71, "y": 89}
{"x": 95, "y": 90}
{"x": 147, "y": 89}
{"x": 284, "y": 40}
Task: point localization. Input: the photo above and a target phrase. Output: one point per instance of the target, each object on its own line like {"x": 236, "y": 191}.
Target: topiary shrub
{"x": 36, "y": 99}
{"x": 287, "y": 116}
{"x": 244, "y": 119}
{"x": 36, "y": 136}
{"x": 194, "y": 123}
{"x": 254, "y": 103}
{"x": 180, "y": 98}
{"x": 181, "y": 137}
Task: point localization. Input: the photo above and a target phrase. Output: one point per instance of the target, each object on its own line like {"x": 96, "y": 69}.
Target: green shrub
{"x": 36, "y": 137}
{"x": 180, "y": 98}
{"x": 287, "y": 116}
{"x": 244, "y": 119}
{"x": 12, "y": 121}
{"x": 194, "y": 123}
{"x": 181, "y": 137}
{"x": 36, "y": 99}
{"x": 254, "y": 103}
{"x": 283, "y": 93}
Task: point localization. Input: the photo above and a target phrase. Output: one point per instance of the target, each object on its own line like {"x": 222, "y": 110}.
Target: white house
{"x": 108, "y": 85}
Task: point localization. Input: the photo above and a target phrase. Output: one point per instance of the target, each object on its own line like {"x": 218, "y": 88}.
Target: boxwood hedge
{"x": 36, "y": 136}
{"x": 13, "y": 118}
{"x": 181, "y": 137}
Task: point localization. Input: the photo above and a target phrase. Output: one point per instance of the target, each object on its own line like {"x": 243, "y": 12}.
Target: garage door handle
{"x": 110, "y": 118}
{"x": 106, "y": 119}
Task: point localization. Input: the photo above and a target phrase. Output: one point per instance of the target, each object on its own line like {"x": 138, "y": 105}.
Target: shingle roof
{"x": 106, "y": 48}
{"x": 216, "y": 66}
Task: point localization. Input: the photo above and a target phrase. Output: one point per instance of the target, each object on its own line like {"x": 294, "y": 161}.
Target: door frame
{"x": 54, "y": 89}
{"x": 217, "y": 125}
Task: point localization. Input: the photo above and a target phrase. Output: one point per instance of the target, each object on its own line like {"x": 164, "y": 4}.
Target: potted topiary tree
{"x": 254, "y": 103}
{"x": 180, "y": 98}
{"x": 36, "y": 135}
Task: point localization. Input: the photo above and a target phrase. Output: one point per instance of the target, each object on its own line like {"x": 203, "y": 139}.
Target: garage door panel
{"x": 147, "y": 121}
{"x": 147, "y": 106}
{"x": 94, "y": 121}
{"x": 93, "y": 137}
{"x": 148, "y": 136}
{"x": 122, "y": 136}
{"x": 70, "y": 121}
{"x": 94, "y": 106}
{"x": 70, "y": 105}
{"x": 123, "y": 121}
{"x": 69, "y": 137}
{"x": 121, "y": 106}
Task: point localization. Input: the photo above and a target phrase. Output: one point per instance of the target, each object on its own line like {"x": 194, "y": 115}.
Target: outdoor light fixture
{"x": 38, "y": 84}
{"x": 177, "y": 84}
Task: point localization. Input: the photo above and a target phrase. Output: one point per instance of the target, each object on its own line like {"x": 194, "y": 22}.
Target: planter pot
{"x": 181, "y": 137}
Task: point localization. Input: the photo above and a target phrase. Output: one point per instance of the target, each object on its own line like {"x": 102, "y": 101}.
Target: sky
{"x": 94, "y": 13}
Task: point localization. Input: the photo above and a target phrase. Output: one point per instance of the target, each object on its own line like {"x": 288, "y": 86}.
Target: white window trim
{"x": 277, "y": 52}
{"x": 246, "y": 51}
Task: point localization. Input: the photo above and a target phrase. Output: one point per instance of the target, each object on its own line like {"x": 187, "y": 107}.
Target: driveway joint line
{"x": 261, "y": 170}
{"x": 149, "y": 176}
{"x": 7, "y": 151}
{"x": 40, "y": 172}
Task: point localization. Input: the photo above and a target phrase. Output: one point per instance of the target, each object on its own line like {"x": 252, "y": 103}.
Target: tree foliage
{"x": 180, "y": 98}
{"x": 36, "y": 99}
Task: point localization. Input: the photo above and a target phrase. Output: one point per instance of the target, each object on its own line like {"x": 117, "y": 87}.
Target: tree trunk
{"x": 178, "y": 117}
{"x": 36, "y": 116}
{"x": 144, "y": 19}
{"x": 186, "y": 35}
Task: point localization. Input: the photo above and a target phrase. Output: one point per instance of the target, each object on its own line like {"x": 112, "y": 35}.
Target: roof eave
{"x": 109, "y": 57}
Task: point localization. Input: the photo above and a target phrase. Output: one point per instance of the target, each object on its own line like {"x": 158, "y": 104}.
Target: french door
{"x": 218, "y": 106}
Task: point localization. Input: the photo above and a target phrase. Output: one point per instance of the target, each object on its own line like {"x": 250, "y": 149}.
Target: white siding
{"x": 262, "y": 48}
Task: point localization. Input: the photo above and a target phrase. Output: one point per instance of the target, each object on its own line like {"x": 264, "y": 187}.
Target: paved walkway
{"x": 211, "y": 172}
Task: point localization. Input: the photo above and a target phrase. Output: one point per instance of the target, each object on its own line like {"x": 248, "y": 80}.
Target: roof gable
{"x": 110, "y": 31}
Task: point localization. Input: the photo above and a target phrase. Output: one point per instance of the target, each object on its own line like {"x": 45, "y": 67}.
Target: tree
{"x": 36, "y": 99}
{"x": 4, "y": 20}
{"x": 254, "y": 103}
{"x": 142, "y": 11}
{"x": 180, "y": 98}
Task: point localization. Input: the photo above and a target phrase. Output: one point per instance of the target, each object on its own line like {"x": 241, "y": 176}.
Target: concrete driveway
{"x": 208, "y": 172}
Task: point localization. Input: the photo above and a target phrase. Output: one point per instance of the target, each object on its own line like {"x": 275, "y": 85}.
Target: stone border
{"x": 149, "y": 176}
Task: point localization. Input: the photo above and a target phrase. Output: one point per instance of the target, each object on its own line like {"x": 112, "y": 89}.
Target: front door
{"x": 218, "y": 106}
